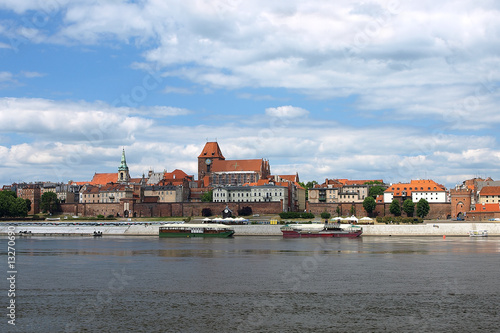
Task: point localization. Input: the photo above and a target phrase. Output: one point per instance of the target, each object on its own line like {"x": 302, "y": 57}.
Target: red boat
{"x": 320, "y": 230}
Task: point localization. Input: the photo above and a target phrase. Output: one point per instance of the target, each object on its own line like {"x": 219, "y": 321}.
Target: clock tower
{"x": 210, "y": 153}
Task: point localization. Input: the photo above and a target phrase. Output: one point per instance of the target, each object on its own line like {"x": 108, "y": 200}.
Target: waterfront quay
{"x": 432, "y": 228}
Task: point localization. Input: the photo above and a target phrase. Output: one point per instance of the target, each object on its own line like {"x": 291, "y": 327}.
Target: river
{"x": 254, "y": 284}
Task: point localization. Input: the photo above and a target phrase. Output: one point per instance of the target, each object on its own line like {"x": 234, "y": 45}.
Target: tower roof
{"x": 123, "y": 165}
{"x": 211, "y": 150}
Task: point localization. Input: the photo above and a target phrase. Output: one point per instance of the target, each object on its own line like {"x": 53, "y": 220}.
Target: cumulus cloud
{"x": 400, "y": 64}
{"x": 287, "y": 111}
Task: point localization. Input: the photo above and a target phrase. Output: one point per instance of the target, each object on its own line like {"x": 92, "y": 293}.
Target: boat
{"x": 187, "y": 230}
{"x": 321, "y": 230}
{"x": 478, "y": 233}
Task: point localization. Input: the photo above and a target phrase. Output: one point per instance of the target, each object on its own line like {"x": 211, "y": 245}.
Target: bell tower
{"x": 123, "y": 175}
{"x": 210, "y": 153}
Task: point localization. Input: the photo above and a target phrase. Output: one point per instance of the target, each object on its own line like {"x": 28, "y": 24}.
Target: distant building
{"x": 415, "y": 190}
{"x": 262, "y": 193}
{"x": 31, "y": 192}
{"x": 215, "y": 170}
{"x": 342, "y": 190}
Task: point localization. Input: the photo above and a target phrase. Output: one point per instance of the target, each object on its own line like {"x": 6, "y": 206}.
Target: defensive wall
{"x": 167, "y": 209}
{"x": 437, "y": 210}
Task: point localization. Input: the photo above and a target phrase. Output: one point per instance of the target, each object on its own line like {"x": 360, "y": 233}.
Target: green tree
{"x": 338, "y": 211}
{"x": 423, "y": 208}
{"x": 207, "y": 196}
{"x": 19, "y": 208}
{"x": 7, "y": 199}
{"x": 325, "y": 215}
{"x": 369, "y": 205}
{"x": 353, "y": 210}
{"x": 28, "y": 204}
{"x": 395, "y": 208}
{"x": 49, "y": 203}
{"x": 409, "y": 207}
{"x": 206, "y": 212}
{"x": 375, "y": 191}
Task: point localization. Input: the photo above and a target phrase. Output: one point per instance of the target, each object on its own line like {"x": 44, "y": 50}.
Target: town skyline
{"x": 382, "y": 90}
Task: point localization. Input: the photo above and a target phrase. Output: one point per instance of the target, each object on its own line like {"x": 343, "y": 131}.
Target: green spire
{"x": 123, "y": 165}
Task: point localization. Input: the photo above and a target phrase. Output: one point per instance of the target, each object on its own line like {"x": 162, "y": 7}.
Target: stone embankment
{"x": 428, "y": 229}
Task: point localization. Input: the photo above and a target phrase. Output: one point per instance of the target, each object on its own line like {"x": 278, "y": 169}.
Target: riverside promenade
{"x": 147, "y": 229}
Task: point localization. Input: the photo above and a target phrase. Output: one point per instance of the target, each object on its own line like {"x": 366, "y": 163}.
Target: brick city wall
{"x": 167, "y": 209}
{"x": 437, "y": 211}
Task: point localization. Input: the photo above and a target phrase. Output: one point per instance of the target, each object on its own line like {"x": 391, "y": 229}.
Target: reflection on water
{"x": 257, "y": 284}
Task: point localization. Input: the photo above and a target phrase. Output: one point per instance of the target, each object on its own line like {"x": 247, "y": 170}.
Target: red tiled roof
{"x": 211, "y": 149}
{"x": 424, "y": 185}
{"x": 237, "y": 165}
{"x": 490, "y": 190}
{"x": 176, "y": 174}
{"x": 104, "y": 178}
{"x": 290, "y": 178}
{"x": 359, "y": 182}
{"x": 488, "y": 207}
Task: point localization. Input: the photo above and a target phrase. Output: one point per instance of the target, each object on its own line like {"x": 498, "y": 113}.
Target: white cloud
{"x": 287, "y": 111}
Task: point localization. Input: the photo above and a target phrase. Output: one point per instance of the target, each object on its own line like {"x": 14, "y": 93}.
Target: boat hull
{"x": 224, "y": 234}
{"x": 322, "y": 234}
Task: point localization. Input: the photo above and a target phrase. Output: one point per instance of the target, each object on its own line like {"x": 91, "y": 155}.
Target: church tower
{"x": 123, "y": 175}
{"x": 210, "y": 153}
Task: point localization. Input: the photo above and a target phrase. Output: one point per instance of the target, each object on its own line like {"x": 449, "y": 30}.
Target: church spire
{"x": 123, "y": 175}
{"x": 123, "y": 165}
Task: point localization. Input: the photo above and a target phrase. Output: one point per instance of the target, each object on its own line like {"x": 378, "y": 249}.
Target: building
{"x": 256, "y": 193}
{"x": 215, "y": 170}
{"x": 31, "y": 192}
{"x": 342, "y": 190}
{"x": 167, "y": 193}
{"x": 489, "y": 194}
{"x": 113, "y": 192}
{"x": 415, "y": 190}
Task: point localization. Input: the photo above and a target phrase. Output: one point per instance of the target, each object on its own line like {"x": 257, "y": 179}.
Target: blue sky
{"x": 391, "y": 90}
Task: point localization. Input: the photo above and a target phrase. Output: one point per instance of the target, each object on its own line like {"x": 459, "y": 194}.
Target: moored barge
{"x": 320, "y": 230}
{"x": 186, "y": 230}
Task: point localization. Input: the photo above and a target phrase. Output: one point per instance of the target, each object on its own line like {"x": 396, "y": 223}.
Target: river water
{"x": 255, "y": 284}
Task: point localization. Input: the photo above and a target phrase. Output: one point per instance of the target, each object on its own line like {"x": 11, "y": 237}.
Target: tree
{"x": 338, "y": 211}
{"x": 375, "y": 191}
{"x": 207, "y": 196}
{"x": 28, "y": 204}
{"x": 7, "y": 199}
{"x": 369, "y": 204}
{"x": 325, "y": 215}
{"x": 353, "y": 210}
{"x": 206, "y": 212}
{"x": 11, "y": 205}
{"x": 395, "y": 208}
{"x": 245, "y": 211}
{"x": 423, "y": 208}
{"x": 19, "y": 208}
{"x": 49, "y": 203}
{"x": 408, "y": 207}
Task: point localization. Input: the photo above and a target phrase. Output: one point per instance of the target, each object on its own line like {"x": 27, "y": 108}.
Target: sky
{"x": 391, "y": 90}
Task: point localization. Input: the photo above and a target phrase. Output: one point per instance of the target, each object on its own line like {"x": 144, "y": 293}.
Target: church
{"x": 215, "y": 170}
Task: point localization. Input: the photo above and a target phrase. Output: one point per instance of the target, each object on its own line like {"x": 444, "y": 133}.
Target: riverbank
{"x": 146, "y": 229}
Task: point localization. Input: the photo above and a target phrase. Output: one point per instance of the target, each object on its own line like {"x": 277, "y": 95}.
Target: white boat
{"x": 478, "y": 233}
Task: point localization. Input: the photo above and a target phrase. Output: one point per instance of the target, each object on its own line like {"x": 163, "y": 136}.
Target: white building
{"x": 417, "y": 189}
{"x": 263, "y": 193}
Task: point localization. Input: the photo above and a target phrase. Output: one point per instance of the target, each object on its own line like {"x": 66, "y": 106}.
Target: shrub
{"x": 325, "y": 215}
{"x": 100, "y": 216}
{"x": 296, "y": 215}
{"x": 245, "y": 211}
{"x": 206, "y": 212}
